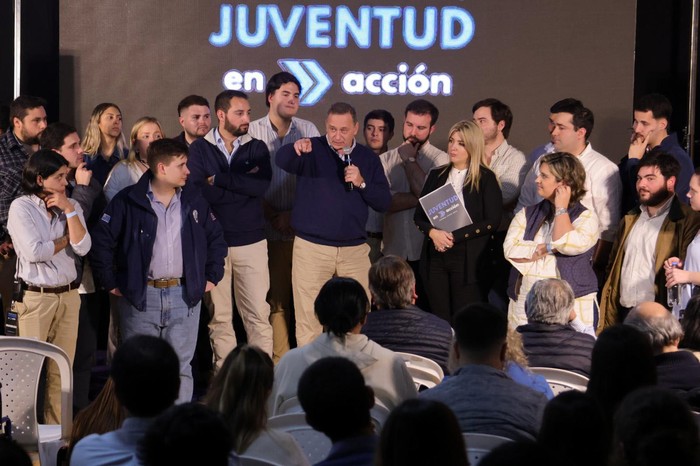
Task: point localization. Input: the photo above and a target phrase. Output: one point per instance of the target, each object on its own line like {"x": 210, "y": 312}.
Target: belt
{"x": 378, "y": 235}
{"x": 52, "y": 290}
{"x": 166, "y": 282}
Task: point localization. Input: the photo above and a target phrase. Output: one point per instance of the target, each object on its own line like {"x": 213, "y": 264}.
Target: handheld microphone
{"x": 348, "y": 161}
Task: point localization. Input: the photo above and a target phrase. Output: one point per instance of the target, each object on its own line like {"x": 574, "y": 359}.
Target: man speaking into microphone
{"x": 337, "y": 179}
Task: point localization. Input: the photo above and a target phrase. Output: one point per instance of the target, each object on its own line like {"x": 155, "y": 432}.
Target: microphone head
{"x": 347, "y": 150}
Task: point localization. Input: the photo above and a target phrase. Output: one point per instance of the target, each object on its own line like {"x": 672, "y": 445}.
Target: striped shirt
{"x": 280, "y": 194}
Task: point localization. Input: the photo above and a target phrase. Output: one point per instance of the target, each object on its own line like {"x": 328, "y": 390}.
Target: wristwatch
{"x": 363, "y": 185}
{"x": 560, "y": 211}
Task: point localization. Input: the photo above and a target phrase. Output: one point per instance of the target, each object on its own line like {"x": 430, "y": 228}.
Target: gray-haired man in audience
{"x": 550, "y": 337}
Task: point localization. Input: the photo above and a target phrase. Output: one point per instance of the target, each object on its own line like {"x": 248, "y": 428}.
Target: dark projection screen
{"x": 146, "y": 55}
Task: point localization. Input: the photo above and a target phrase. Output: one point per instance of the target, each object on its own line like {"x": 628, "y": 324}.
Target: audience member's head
{"x": 12, "y": 454}
{"x": 690, "y": 324}
{"x": 653, "y": 426}
{"x": 239, "y": 392}
{"x": 167, "y": 160}
{"x": 146, "y": 130}
{"x": 522, "y": 453}
{"x": 28, "y": 118}
{"x": 515, "y": 351}
{"x": 658, "y": 104}
{"x": 105, "y": 125}
{"x": 622, "y": 361}
{"x": 336, "y": 400}
{"x": 185, "y": 435}
{"x": 571, "y": 419}
{"x": 420, "y": 432}
{"x": 656, "y": 323}
{"x": 277, "y": 81}
{"x": 499, "y": 114}
{"x": 64, "y": 139}
{"x": 378, "y": 129}
{"x": 564, "y": 168}
{"x": 392, "y": 283}
{"x": 581, "y": 117}
{"x": 341, "y": 306}
{"x": 549, "y": 301}
{"x": 104, "y": 414}
{"x": 194, "y": 116}
{"x": 44, "y": 173}
{"x": 480, "y": 332}
{"x": 146, "y": 374}
{"x": 657, "y": 175}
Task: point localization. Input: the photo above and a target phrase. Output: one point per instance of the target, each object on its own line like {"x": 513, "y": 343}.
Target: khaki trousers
{"x": 246, "y": 268}
{"x": 312, "y": 266}
{"x": 280, "y": 295}
{"x": 52, "y": 318}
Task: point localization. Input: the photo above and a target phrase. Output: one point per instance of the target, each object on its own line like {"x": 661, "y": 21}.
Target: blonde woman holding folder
{"x": 450, "y": 260}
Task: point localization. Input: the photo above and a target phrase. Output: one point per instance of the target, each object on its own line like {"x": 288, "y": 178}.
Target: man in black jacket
{"x": 553, "y": 336}
{"x": 398, "y": 324}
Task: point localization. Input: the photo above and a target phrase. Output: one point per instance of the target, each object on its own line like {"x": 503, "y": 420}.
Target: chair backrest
{"x": 314, "y": 444}
{"x": 21, "y": 360}
{"x": 250, "y": 461}
{"x": 561, "y": 380}
{"x": 379, "y": 413}
{"x": 290, "y": 405}
{"x": 479, "y": 445}
{"x": 424, "y": 371}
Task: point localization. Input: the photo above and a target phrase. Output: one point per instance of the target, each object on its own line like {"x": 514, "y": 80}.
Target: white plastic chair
{"x": 424, "y": 371}
{"x": 379, "y": 413}
{"x": 314, "y": 444}
{"x": 561, "y": 380}
{"x": 250, "y": 461}
{"x": 21, "y": 360}
{"x": 479, "y": 445}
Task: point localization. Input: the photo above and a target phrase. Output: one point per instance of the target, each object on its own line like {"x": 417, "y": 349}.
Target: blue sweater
{"x": 237, "y": 194}
{"x": 123, "y": 242}
{"x": 324, "y": 211}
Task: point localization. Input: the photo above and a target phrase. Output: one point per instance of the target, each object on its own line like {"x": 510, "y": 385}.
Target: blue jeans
{"x": 166, "y": 316}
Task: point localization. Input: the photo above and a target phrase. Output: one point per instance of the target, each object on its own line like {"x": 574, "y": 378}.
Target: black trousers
{"x": 448, "y": 288}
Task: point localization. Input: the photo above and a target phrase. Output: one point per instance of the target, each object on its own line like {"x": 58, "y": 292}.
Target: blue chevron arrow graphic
{"x": 314, "y": 80}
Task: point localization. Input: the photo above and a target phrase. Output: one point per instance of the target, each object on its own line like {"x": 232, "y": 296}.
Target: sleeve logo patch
{"x": 106, "y": 218}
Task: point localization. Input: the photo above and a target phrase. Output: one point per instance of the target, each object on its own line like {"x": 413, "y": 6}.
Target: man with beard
{"x": 233, "y": 169}
{"x": 661, "y": 227}
{"x": 510, "y": 167}
{"x": 652, "y": 120}
{"x": 28, "y": 120}
{"x": 195, "y": 118}
{"x": 406, "y": 168}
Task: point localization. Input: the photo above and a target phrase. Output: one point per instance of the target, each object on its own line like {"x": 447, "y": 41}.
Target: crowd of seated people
{"x": 321, "y": 246}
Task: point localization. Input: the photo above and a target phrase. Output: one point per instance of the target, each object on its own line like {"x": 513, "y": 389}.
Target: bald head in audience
{"x": 656, "y": 322}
